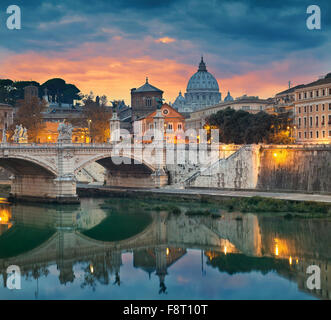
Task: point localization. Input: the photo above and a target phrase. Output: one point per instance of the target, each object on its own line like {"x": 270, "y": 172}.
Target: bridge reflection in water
{"x": 35, "y": 238}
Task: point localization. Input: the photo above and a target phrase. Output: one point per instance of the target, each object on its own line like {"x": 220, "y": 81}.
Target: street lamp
{"x": 89, "y": 129}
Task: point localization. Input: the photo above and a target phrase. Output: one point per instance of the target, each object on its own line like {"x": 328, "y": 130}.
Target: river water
{"x": 132, "y": 249}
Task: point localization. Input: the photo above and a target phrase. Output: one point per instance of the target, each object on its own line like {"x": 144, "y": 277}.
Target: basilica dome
{"x": 202, "y": 89}
{"x": 179, "y": 102}
{"x": 202, "y": 80}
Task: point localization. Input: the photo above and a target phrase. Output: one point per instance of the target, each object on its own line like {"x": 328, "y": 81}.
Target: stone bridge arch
{"x": 19, "y": 164}
{"x": 124, "y": 170}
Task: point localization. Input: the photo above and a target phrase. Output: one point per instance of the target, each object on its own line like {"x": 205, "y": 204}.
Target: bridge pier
{"x": 43, "y": 189}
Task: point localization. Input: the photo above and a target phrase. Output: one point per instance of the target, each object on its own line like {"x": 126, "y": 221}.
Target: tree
{"x": 11, "y": 92}
{"x": 97, "y": 116}
{"x": 29, "y": 115}
{"x": 241, "y": 127}
{"x": 60, "y": 91}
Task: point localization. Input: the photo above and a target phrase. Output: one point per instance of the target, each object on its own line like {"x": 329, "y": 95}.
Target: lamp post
{"x": 89, "y": 130}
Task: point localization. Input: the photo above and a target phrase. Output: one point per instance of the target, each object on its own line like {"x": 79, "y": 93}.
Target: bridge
{"x": 46, "y": 172}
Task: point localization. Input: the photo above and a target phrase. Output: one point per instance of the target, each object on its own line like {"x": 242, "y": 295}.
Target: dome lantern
{"x": 202, "y": 65}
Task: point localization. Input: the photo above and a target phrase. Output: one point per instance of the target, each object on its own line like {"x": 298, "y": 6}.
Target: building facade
{"x": 174, "y": 123}
{"x": 313, "y": 112}
{"x": 144, "y": 100}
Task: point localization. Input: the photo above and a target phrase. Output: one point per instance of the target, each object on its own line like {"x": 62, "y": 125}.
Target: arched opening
{"x": 122, "y": 172}
{"x": 30, "y": 179}
{"x": 25, "y": 167}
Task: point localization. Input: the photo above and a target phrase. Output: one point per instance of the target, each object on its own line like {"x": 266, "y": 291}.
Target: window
{"x": 148, "y": 102}
{"x": 246, "y": 107}
{"x": 299, "y": 135}
{"x": 323, "y": 134}
{"x": 305, "y": 135}
{"x": 310, "y": 121}
{"x": 323, "y": 92}
{"x": 316, "y": 121}
{"x": 299, "y": 109}
{"x": 311, "y": 134}
{"x": 329, "y": 133}
{"x": 323, "y": 107}
{"x": 5, "y": 114}
{"x": 305, "y": 95}
{"x": 299, "y": 122}
{"x": 305, "y": 122}
{"x": 329, "y": 119}
{"x": 317, "y": 108}
{"x": 317, "y": 93}
{"x": 311, "y": 108}
{"x": 316, "y": 134}
{"x": 329, "y": 106}
{"x": 179, "y": 126}
{"x": 299, "y": 96}
{"x": 311, "y": 94}
{"x": 169, "y": 126}
{"x": 323, "y": 120}
{"x": 305, "y": 110}
{"x": 151, "y": 126}
{"x": 329, "y": 91}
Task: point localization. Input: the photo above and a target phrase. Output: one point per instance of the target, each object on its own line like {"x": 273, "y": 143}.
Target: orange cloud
{"x": 165, "y": 40}
{"x": 92, "y": 68}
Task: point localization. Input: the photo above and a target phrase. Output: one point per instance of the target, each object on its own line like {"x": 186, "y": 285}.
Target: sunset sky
{"x": 110, "y": 46}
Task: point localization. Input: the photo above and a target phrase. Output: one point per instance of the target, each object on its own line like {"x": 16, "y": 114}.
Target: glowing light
{"x": 165, "y": 40}
{"x": 167, "y": 251}
{"x": 49, "y": 137}
{"x": 276, "y": 250}
{"x": 5, "y": 216}
{"x": 91, "y": 268}
{"x": 275, "y": 154}
{"x": 225, "y": 250}
{"x": 290, "y": 260}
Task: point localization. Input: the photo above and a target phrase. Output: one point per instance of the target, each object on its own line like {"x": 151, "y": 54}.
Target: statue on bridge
{"x": 65, "y": 132}
{"x": 20, "y": 134}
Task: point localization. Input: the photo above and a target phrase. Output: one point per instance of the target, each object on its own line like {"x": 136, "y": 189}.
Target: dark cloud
{"x": 245, "y": 34}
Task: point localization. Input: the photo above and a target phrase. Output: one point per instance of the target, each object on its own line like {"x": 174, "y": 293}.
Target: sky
{"x": 252, "y": 47}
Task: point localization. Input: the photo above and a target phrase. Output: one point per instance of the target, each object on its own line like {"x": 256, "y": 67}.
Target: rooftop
{"x": 146, "y": 88}
{"x": 290, "y": 90}
{"x": 325, "y": 80}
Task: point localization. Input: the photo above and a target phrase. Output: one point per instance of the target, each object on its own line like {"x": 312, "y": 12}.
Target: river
{"x": 119, "y": 248}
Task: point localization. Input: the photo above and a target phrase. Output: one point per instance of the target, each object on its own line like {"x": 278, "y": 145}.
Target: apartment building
{"x": 313, "y": 112}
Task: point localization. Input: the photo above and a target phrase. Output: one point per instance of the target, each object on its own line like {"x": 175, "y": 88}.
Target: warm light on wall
{"x": 276, "y": 250}
{"x": 167, "y": 251}
{"x": 5, "y": 216}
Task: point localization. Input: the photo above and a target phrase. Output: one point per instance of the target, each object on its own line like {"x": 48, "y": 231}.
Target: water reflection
{"x": 92, "y": 245}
